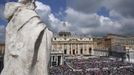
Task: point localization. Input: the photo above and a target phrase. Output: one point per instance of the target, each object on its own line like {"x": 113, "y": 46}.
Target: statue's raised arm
{"x": 26, "y": 1}
{"x": 29, "y": 3}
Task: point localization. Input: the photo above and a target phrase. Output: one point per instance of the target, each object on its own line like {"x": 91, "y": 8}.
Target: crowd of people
{"x": 93, "y": 66}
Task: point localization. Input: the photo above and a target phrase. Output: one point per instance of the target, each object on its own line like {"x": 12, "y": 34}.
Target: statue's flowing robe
{"x": 28, "y": 44}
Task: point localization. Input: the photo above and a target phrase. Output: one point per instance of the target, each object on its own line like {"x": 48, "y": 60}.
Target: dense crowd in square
{"x": 93, "y": 66}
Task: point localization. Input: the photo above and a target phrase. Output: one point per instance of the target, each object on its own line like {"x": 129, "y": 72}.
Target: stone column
{"x": 78, "y": 48}
{"x": 83, "y": 48}
{"x": 61, "y": 61}
{"x": 68, "y": 48}
{"x": 71, "y": 49}
{"x": 62, "y": 48}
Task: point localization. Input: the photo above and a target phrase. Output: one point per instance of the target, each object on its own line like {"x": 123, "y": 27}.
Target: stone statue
{"x": 28, "y": 41}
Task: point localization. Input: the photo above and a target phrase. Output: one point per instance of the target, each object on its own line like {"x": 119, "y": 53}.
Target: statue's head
{"x": 10, "y": 9}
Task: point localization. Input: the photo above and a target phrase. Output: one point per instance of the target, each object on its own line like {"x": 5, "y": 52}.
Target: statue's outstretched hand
{"x": 29, "y": 3}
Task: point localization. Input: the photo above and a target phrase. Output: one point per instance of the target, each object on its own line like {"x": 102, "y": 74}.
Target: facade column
{"x": 71, "y": 48}
{"x": 78, "y": 49}
{"x": 56, "y": 60}
{"x": 67, "y": 48}
{"x": 87, "y": 50}
{"x": 83, "y": 49}
{"x": 62, "y": 48}
{"x": 61, "y": 61}
{"x": 92, "y": 51}
{"x": 75, "y": 48}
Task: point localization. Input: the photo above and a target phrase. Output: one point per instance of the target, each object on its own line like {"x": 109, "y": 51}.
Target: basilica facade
{"x": 68, "y": 45}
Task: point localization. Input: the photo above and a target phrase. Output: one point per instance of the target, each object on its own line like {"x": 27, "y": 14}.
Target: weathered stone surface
{"x": 28, "y": 42}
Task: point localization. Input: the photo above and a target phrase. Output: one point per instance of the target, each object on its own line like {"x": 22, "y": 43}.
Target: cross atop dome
{"x": 64, "y": 30}
{"x": 64, "y": 27}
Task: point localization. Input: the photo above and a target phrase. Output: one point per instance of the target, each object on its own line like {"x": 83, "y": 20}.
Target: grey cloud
{"x": 91, "y": 24}
{"x": 82, "y": 19}
{"x": 124, "y": 7}
{"x": 121, "y": 19}
{"x": 123, "y": 11}
{"x": 85, "y": 6}
{"x": 127, "y": 26}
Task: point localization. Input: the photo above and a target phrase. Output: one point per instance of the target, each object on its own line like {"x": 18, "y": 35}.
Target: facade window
{"x": 55, "y": 38}
{"x": 73, "y": 51}
{"x": 53, "y": 62}
{"x": 59, "y": 60}
{"x": 65, "y": 51}
{"x": 90, "y": 49}
{"x": 81, "y": 51}
{"x": 53, "y": 58}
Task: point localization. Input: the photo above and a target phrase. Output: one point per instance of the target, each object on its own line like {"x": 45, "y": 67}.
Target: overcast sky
{"x": 91, "y": 17}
